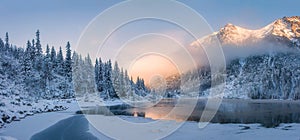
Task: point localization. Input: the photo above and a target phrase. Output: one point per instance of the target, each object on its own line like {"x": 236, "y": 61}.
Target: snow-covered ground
{"x": 215, "y": 131}
{"x": 191, "y": 131}
{"x": 24, "y": 129}
{"x": 29, "y": 126}
{"x": 41, "y": 124}
{"x": 15, "y": 107}
{"x": 89, "y": 100}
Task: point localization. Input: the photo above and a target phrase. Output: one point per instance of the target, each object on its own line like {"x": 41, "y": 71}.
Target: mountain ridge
{"x": 284, "y": 31}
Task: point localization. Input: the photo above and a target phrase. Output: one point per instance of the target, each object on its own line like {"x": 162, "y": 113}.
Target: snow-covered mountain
{"x": 254, "y": 70}
{"x": 259, "y": 74}
{"x": 285, "y": 31}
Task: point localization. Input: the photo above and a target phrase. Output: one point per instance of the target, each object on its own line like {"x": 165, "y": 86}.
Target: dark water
{"x": 73, "y": 128}
{"x": 266, "y": 112}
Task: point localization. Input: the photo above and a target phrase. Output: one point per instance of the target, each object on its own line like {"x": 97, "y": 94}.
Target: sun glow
{"x": 151, "y": 66}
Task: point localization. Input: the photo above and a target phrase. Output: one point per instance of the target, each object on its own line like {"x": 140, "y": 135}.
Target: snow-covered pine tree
{"x": 20, "y": 53}
{"x": 38, "y": 63}
{"x": 68, "y": 63}
{"x": 14, "y": 52}
{"x": 96, "y": 71}
{"x": 60, "y": 63}
{"x": 1, "y": 45}
{"x": 108, "y": 85}
{"x": 61, "y": 80}
{"x": 33, "y": 51}
{"x": 64, "y": 69}
{"x": 89, "y": 75}
{"x": 116, "y": 79}
{"x": 140, "y": 87}
{"x": 127, "y": 83}
{"x": 30, "y": 76}
{"x": 132, "y": 89}
{"x": 77, "y": 74}
{"x": 83, "y": 75}
{"x": 101, "y": 82}
{"x": 47, "y": 72}
{"x": 53, "y": 58}
{"x": 123, "y": 90}
{"x": 38, "y": 53}
{"x": 10, "y": 74}
{"x": 6, "y": 46}
{"x": 4, "y": 84}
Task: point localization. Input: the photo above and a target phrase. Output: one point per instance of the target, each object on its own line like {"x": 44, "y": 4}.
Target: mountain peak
{"x": 285, "y": 30}
{"x": 228, "y": 25}
{"x": 288, "y": 27}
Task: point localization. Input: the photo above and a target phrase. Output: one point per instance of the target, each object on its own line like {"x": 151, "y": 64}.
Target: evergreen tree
{"x": 48, "y": 56}
{"x": 123, "y": 89}
{"x": 27, "y": 58}
{"x": 14, "y": 51}
{"x": 68, "y": 63}
{"x": 39, "y": 52}
{"x": 100, "y": 78}
{"x": 1, "y": 45}
{"x": 6, "y": 46}
{"x": 30, "y": 79}
{"x": 116, "y": 79}
{"x": 60, "y": 63}
{"x": 89, "y": 75}
{"x": 127, "y": 84}
{"x": 77, "y": 70}
{"x": 46, "y": 72}
{"x": 20, "y": 54}
{"x": 96, "y": 71}
{"x": 53, "y": 58}
{"x": 140, "y": 87}
{"x": 108, "y": 86}
{"x": 132, "y": 88}
{"x": 83, "y": 75}
{"x": 10, "y": 49}
{"x": 32, "y": 51}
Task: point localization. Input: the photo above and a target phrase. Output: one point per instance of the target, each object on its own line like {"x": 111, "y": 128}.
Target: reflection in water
{"x": 268, "y": 113}
{"x": 135, "y": 114}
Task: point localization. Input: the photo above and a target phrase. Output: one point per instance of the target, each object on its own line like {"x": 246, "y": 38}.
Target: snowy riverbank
{"x": 47, "y": 124}
{"x": 14, "y": 107}
{"x": 24, "y": 129}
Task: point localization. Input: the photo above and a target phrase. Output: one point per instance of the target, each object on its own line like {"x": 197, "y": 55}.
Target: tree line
{"x": 49, "y": 74}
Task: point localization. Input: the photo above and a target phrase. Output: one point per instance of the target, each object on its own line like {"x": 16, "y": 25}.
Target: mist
{"x": 232, "y": 52}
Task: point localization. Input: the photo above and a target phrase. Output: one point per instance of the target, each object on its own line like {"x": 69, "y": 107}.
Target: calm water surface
{"x": 266, "y": 112}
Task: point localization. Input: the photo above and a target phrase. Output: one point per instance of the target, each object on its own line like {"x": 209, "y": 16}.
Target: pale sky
{"x": 60, "y": 21}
